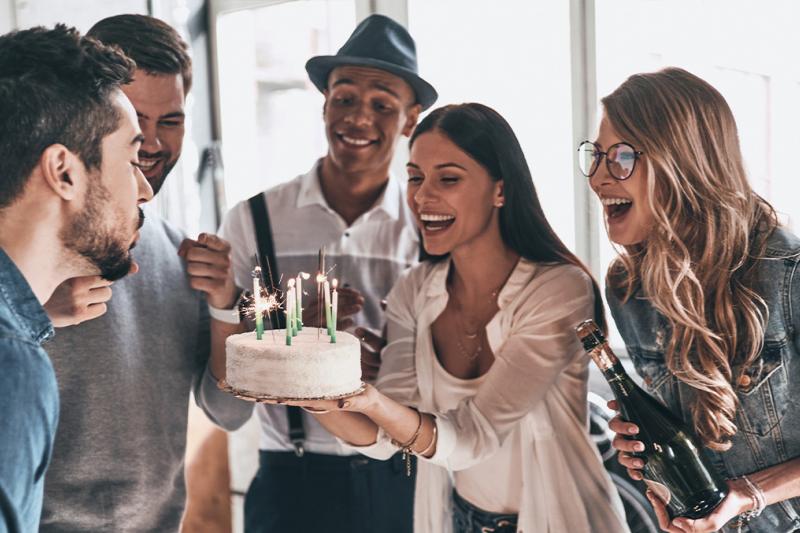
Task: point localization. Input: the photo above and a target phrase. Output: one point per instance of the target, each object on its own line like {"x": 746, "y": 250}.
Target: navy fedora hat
{"x": 377, "y": 42}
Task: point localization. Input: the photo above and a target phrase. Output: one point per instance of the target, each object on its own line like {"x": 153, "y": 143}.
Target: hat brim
{"x": 319, "y": 69}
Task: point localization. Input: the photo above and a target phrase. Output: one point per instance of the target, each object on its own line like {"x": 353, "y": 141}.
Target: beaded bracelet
{"x": 406, "y": 447}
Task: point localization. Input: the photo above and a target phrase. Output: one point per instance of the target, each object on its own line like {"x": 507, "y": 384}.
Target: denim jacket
{"x": 769, "y": 393}
{"x": 28, "y": 401}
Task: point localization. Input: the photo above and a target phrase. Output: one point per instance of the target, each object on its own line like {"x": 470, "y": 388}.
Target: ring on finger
{"x": 316, "y": 411}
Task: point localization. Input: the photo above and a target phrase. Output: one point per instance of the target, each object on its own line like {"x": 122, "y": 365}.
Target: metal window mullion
{"x": 584, "y": 118}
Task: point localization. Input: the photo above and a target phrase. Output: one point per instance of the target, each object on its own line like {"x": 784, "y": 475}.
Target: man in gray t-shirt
{"x": 125, "y": 377}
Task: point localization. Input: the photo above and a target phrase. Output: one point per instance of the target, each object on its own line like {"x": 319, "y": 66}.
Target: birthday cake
{"x": 312, "y": 367}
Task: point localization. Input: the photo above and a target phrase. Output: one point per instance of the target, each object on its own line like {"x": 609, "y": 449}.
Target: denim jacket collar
{"x": 23, "y": 307}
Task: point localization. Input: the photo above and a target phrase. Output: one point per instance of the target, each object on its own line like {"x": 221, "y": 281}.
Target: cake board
{"x": 266, "y": 398}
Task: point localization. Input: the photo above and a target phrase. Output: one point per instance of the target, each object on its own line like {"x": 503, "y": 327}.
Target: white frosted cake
{"x": 312, "y": 367}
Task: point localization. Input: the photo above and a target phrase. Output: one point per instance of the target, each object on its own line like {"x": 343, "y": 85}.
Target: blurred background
{"x": 254, "y": 119}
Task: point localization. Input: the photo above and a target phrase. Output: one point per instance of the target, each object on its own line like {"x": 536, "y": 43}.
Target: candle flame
{"x": 321, "y": 277}
{"x": 335, "y": 283}
{"x": 304, "y": 275}
{"x": 290, "y": 283}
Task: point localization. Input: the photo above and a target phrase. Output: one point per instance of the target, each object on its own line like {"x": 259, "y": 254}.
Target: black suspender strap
{"x": 266, "y": 252}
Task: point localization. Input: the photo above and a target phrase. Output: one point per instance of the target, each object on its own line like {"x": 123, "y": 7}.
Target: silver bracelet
{"x": 759, "y": 500}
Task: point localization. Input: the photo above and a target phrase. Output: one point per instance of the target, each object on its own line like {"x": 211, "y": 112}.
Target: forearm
{"x": 220, "y": 331}
{"x": 405, "y": 425}
{"x": 354, "y": 428}
{"x": 780, "y": 482}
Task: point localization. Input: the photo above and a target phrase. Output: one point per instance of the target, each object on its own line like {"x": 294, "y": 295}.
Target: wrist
{"x": 375, "y": 406}
{"x": 752, "y": 500}
{"x": 229, "y": 314}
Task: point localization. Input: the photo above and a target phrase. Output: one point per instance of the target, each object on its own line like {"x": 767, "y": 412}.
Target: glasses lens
{"x": 587, "y": 158}
{"x": 621, "y": 159}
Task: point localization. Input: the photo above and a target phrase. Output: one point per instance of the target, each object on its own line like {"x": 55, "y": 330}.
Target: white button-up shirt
{"x": 535, "y": 391}
{"x": 368, "y": 255}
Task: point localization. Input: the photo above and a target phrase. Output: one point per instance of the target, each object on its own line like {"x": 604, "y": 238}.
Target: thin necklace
{"x": 472, "y": 334}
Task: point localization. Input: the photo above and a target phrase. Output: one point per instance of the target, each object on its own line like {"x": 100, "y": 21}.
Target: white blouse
{"x": 494, "y": 484}
{"x": 535, "y": 391}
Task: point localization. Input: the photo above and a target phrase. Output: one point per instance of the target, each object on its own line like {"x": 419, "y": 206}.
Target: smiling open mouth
{"x": 146, "y": 164}
{"x": 616, "y": 207}
{"x": 435, "y": 222}
{"x": 355, "y": 142}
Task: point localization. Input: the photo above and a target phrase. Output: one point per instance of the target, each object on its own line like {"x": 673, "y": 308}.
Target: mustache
{"x": 156, "y": 155}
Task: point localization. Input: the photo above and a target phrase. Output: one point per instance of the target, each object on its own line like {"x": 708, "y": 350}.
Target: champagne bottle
{"x": 675, "y": 467}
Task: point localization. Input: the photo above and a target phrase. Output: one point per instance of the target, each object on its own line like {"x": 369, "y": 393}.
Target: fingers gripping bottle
{"x": 675, "y": 467}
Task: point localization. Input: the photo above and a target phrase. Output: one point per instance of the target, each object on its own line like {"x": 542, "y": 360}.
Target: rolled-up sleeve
{"x": 397, "y": 377}
{"x": 222, "y": 408}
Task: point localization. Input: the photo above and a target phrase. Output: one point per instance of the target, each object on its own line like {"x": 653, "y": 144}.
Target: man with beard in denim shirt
{"x": 69, "y": 189}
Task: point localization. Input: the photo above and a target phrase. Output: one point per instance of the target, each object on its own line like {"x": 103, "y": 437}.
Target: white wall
{"x": 71, "y": 12}
{"x": 6, "y": 16}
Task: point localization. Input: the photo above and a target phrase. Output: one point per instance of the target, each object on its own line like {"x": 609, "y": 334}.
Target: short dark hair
{"x": 56, "y": 87}
{"x": 153, "y": 44}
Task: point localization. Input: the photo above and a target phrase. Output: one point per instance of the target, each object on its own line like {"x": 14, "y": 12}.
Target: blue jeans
{"x": 470, "y": 519}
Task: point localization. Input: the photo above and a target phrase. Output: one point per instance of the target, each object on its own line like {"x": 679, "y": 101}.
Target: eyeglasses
{"x": 620, "y": 159}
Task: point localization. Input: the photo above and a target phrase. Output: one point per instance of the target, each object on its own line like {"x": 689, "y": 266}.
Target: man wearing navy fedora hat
{"x": 348, "y": 203}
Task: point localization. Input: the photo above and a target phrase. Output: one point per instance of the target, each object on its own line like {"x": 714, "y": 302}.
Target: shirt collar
{"x": 519, "y": 277}
{"x": 311, "y": 194}
{"x": 18, "y": 296}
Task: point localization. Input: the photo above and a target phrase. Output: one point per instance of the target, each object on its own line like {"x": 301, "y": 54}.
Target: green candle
{"x": 334, "y": 309}
{"x": 288, "y": 329}
{"x": 326, "y": 289}
{"x": 299, "y": 308}
{"x": 259, "y": 311}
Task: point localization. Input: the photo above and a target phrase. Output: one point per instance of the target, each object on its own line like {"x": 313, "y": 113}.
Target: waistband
{"x": 334, "y": 462}
{"x": 487, "y": 520}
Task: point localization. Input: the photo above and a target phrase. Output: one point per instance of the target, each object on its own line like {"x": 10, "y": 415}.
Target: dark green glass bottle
{"x": 675, "y": 467}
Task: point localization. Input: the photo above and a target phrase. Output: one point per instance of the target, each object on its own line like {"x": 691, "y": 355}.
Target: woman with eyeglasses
{"x": 483, "y": 378}
{"x": 705, "y": 293}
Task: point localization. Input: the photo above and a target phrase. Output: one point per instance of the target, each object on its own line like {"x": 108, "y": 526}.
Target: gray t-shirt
{"x": 124, "y": 381}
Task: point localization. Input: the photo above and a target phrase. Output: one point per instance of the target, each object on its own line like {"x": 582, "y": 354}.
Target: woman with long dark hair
{"x": 482, "y": 377}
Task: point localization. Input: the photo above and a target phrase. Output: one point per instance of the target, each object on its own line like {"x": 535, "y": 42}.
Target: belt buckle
{"x": 299, "y": 450}
{"x": 500, "y": 526}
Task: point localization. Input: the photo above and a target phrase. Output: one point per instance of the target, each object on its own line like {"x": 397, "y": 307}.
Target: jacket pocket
{"x": 651, "y": 367}
{"x": 763, "y": 390}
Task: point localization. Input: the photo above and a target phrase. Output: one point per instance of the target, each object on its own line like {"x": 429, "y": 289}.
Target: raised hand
{"x": 351, "y": 302}
{"x": 78, "y": 300}
{"x": 371, "y": 346}
{"x": 208, "y": 262}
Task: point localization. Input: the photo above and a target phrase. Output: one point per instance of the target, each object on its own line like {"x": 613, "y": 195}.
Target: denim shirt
{"x": 768, "y": 417}
{"x": 28, "y": 401}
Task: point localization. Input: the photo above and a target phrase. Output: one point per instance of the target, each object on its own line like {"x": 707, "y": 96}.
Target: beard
{"x": 106, "y": 249}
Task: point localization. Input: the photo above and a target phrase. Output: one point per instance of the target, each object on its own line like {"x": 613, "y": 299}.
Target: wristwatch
{"x": 229, "y": 316}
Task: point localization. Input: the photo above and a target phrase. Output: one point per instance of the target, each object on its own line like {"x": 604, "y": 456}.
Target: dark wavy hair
{"x": 155, "y": 46}
{"x": 55, "y": 88}
{"x": 483, "y": 134}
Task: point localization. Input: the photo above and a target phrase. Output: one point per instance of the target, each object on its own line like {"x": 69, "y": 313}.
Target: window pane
{"x": 744, "y": 48}
{"x": 513, "y": 56}
{"x": 271, "y": 113}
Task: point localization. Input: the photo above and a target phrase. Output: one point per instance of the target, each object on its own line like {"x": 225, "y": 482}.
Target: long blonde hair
{"x": 697, "y": 265}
